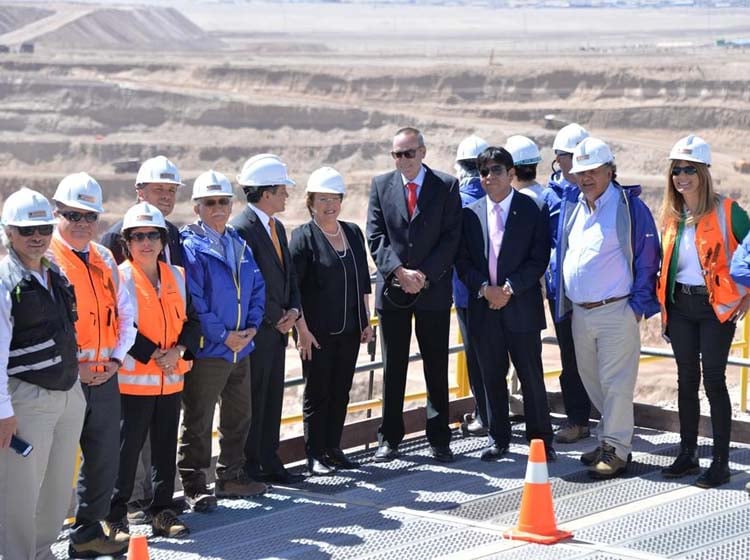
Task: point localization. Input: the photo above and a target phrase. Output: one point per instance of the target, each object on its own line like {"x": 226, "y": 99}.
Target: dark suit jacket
{"x": 428, "y": 242}
{"x": 322, "y": 279}
{"x": 524, "y": 256}
{"x": 112, "y": 240}
{"x": 282, "y": 291}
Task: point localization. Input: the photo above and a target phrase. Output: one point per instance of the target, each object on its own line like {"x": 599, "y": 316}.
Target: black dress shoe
{"x": 319, "y": 467}
{"x": 493, "y": 453}
{"x": 282, "y": 476}
{"x": 550, "y": 453}
{"x": 385, "y": 453}
{"x": 442, "y": 453}
{"x": 686, "y": 463}
{"x": 336, "y": 458}
{"x": 716, "y": 475}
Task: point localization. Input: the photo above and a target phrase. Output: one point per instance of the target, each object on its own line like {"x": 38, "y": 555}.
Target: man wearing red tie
{"x": 413, "y": 230}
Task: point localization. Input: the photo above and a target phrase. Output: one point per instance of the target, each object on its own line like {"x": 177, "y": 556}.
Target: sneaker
{"x": 201, "y": 500}
{"x": 139, "y": 517}
{"x": 609, "y": 464}
{"x": 591, "y": 457}
{"x": 167, "y": 524}
{"x": 100, "y": 546}
{"x": 686, "y": 463}
{"x": 716, "y": 475}
{"x": 118, "y": 531}
{"x": 571, "y": 433}
{"x": 241, "y": 487}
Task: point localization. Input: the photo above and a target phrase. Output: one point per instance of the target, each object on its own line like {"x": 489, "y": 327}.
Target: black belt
{"x": 691, "y": 290}
{"x": 595, "y": 304}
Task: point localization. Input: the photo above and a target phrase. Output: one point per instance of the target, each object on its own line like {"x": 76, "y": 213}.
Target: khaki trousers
{"x": 36, "y": 490}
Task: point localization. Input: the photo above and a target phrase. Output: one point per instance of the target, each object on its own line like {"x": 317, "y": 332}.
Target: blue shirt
{"x": 595, "y": 267}
{"x": 222, "y": 241}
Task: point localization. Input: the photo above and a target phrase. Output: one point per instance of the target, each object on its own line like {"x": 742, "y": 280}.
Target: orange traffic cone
{"x": 536, "y": 522}
{"x": 138, "y": 548}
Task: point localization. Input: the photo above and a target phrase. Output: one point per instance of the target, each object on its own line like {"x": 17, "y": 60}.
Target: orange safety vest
{"x": 160, "y": 318}
{"x": 95, "y": 286}
{"x": 715, "y": 244}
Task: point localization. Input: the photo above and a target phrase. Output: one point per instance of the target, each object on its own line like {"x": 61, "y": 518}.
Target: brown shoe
{"x": 239, "y": 488}
{"x": 571, "y": 433}
{"x": 609, "y": 464}
{"x": 167, "y": 524}
{"x": 591, "y": 457}
{"x": 100, "y": 546}
{"x": 118, "y": 531}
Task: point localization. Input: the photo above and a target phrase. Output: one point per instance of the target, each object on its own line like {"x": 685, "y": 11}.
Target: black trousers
{"x": 432, "y": 330}
{"x": 328, "y": 379}
{"x": 575, "y": 399}
{"x": 100, "y": 445}
{"x": 472, "y": 365}
{"x": 210, "y": 381}
{"x": 493, "y": 342}
{"x": 698, "y": 338}
{"x": 267, "y": 379}
{"x": 158, "y": 418}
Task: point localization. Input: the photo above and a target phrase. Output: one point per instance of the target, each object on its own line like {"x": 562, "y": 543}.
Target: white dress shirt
{"x": 689, "y": 269}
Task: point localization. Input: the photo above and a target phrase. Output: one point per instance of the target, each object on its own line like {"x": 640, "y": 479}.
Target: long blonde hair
{"x": 673, "y": 204}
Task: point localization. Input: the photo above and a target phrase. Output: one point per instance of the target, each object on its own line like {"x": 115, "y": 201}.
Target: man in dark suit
{"x": 504, "y": 253}
{"x": 413, "y": 230}
{"x": 156, "y": 183}
{"x": 264, "y": 179}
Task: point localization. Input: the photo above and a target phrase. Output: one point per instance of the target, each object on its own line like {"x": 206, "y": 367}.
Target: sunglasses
{"x": 88, "y": 217}
{"x": 224, "y": 201}
{"x": 689, "y": 169}
{"x": 496, "y": 170}
{"x": 140, "y": 236}
{"x": 408, "y": 154}
{"x": 28, "y": 231}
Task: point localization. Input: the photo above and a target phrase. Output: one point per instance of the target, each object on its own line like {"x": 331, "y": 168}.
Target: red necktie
{"x": 411, "y": 199}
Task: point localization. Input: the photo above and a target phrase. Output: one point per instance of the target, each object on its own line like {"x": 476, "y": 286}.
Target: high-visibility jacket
{"x": 160, "y": 318}
{"x": 715, "y": 244}
{"x": 95, "y": 286}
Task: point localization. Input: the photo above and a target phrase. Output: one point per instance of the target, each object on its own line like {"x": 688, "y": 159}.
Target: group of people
{"x": 104, "y": 345}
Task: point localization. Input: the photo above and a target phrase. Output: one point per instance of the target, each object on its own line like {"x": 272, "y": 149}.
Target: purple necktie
{"x": 496, "y": 228}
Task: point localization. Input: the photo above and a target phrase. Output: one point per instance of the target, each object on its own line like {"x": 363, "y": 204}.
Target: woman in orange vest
{"x": 151, "y": 376}
{"x": 700, "y": 302}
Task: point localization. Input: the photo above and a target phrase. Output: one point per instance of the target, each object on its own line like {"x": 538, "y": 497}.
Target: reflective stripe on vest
{"x": 715, "y": 244}
{"x": 95, "y": 286}
{"x": 160, "y": 318}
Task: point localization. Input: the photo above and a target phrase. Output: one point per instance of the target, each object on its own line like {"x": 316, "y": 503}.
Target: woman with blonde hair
{"x": 700, "y": 303}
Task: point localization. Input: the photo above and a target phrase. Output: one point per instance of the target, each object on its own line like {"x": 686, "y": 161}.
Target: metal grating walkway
{"x": 414, "y": 508}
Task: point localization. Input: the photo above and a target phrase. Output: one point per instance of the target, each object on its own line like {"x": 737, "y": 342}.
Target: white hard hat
{"x": 523, "y": 150}
{"x": 264, "y": 170}
{"x": 158, "y": 170}
{"x": 568, "y": 137}
{"x": 470, "y": 148}
{"x": 326, "y": 180}
{"x": 211, "y": 183}
{"x": 143, "y": 214}
{"x": 26, "y": 207}
{"x": 80, "y": 191}
{"x": 590, "y": 153}
{"x": 691, "y": 148}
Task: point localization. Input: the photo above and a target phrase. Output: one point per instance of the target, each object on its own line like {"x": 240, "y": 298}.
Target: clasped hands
{"x": 497, "y": 296}
{"x": 411, "y": 281}
{"x": 237, "y": 340}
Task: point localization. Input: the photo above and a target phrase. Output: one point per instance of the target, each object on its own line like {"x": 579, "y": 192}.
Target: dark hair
{"x": 254, "y": 194}
{"x": 411, "y": 131}
{"x": 494, "y": 154}
{"x": 125, "y": 237}
{"x": 526, "y": 172}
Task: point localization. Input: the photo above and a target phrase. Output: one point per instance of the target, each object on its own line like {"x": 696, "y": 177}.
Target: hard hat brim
{"x": 588, "y": 167}
{"x": 27, "y": 223}
{"x": 686, "y": 157}
{"x": 80, "y": 206}
{"x": 160, "y": 182}
{"x": 324, "y": 190}
{"x": 281, "y": 182}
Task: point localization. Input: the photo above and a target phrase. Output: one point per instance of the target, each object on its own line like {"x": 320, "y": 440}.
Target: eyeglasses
{"x": 689, "y": 169}
{"x": 408, "y": 154}
{"x": 223, "y": 201}
{"x": 327, "y": 199}
{"x": 143, "y": 235}
{"x": 28, "y": 231}
{"x": 88, "y": 217}
{"x": 496, "y": 170}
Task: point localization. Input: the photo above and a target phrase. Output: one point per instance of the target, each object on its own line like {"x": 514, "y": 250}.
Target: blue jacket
{"x": 225, "y": 299}
{"x": 639, "y": 240}
{"x": 740, "y": 267}
{"x": 471, "y": 191}
{"x": 565, "y": 190}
